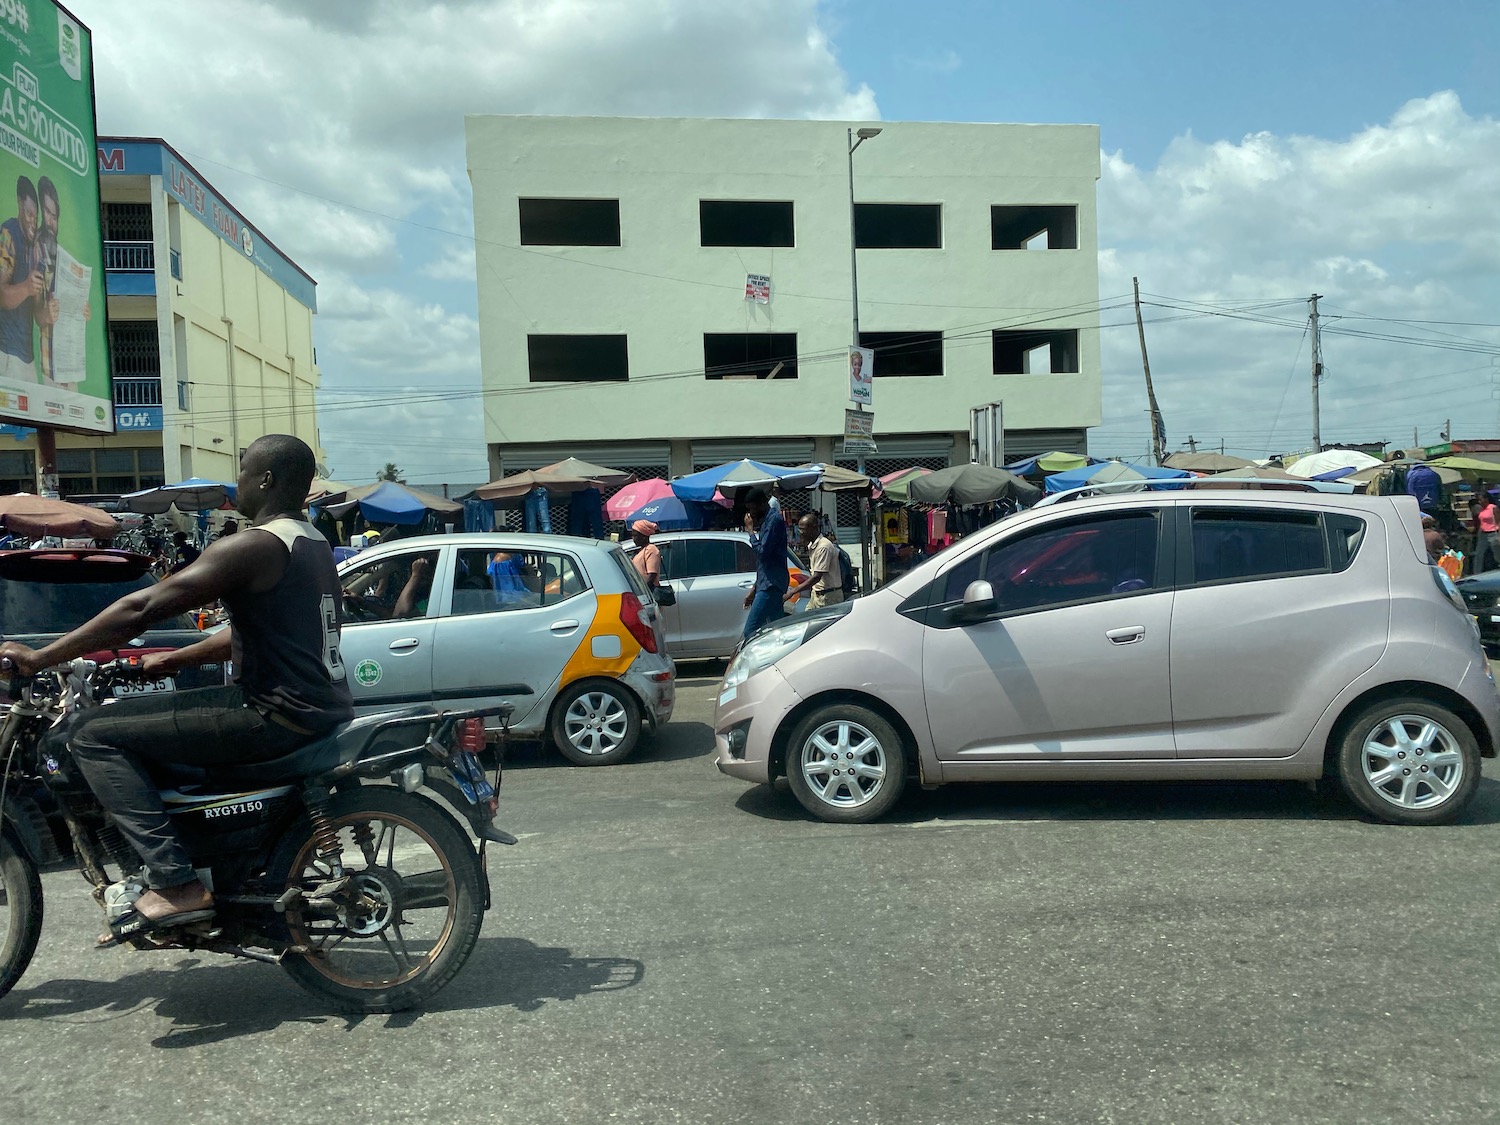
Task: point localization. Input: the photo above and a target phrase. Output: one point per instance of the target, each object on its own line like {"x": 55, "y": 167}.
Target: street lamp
{"x": 857, "y": 138}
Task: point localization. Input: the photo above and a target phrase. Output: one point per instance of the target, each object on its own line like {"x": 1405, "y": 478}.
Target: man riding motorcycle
{"x": 282, "y": 594}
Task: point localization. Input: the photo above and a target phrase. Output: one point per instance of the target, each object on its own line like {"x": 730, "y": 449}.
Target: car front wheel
{"x": 1408, "y": 761}
{"x": 596, "y": 723}
{"x": 846, "y": 764}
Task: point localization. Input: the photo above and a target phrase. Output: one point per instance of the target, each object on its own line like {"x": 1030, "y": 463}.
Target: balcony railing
{"x": 137, "y": 392}
{"x": 136, "y": 256}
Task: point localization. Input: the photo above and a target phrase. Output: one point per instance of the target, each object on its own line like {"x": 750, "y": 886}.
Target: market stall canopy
{"x": 894, "y": 486}
{"x": 1107, "y": 471}
{"x": 836, "y": 479}
{"x": 192, "y": 495}
{"x": 1330, "y": 459}
{"x": 36, "y": 516}
{"x": 321, "y": 487}
{"x": 746, "y": 473}
{"x": 1054, "y": 462}
{"x": 1206, "y": 462}
{"x": 1445, "y": 474}
{"x": 669, "y": 513}
{"x": 967, "y": 485}
{"x": 388, "y": 502}
{"x": 519, "y": 484}
{"x": 1470, "y": 468}
{"x": 601, "y": 475}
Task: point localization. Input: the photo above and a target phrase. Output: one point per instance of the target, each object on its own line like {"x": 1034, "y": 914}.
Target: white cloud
{"x": 1395, "y": 222}
{"x": 454, "y": 263}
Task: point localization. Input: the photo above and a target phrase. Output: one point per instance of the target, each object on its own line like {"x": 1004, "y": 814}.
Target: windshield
{"x": 45, "y": 607}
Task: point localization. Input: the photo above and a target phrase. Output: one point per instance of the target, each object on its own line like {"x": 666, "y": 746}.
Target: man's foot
{"x": 160, "y": 909}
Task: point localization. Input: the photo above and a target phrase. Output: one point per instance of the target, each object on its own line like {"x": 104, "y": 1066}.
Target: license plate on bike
{"x": 145, "y": 687}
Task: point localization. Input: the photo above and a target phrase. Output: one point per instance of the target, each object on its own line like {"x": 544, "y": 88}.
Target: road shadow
{"x": 701, "y": 673}
{"x": 675, "y": 742}
{"x": 1117, "y": 801}
{"x": 212, "y": 1000}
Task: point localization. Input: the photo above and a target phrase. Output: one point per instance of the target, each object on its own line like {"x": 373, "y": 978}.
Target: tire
{"x": 596, "y": 723}
{"x": 865, "y": 745}
{"x": 363, "y": 971}
{"x": 1409, "y": 761}
{"x": 20, "y": 913}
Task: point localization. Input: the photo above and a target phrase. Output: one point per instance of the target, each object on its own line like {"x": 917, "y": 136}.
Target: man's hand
{"x": 749, "y": 522}
{"x": 26, "y": 661}
{"x": 38, "y": 284}
{"x": 154, "y": 665}
{"x": 750, "y": 597}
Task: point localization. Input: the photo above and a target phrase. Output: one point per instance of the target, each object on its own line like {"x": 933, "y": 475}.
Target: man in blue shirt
{"x": 768, "y": 537}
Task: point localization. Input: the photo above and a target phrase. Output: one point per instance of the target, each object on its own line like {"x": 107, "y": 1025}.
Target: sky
{"x": 1251, "y": 156}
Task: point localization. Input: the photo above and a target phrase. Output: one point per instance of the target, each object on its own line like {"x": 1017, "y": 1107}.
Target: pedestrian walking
{"x": 826, "y": 577}
{"x": 766, "y": 600}
{"x": 1432, "y": 538}
{"x": 647, "y": 559}
{"x": 1486, "y": 531}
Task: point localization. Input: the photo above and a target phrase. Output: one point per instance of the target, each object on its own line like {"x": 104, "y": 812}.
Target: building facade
{"x": 623, "y": 317}
{"x": 210, "y": 335}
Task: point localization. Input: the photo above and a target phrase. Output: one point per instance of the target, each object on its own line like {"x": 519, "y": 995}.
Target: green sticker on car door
{"x": 367, "y": 673}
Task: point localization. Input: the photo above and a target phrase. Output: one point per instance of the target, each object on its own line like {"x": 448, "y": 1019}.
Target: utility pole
{"x": 1158, "y": 427}
{"x": 1192, "y": 444}
{"x": 1317, "y": 369}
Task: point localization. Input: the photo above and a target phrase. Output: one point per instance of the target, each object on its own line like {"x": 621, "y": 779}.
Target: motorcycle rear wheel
{"x": 407, "y": 857}
{"x": 20, "y": 913}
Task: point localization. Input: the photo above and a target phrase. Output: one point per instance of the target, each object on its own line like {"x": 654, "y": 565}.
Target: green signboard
{"x": 54, "y": 348}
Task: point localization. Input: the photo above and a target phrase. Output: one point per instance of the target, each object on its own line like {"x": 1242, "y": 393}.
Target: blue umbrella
{"x": 390, "y": 503}
{"x": 671, "y": 514}
{"x": 743, "y": 474}
{"x": 1110, "y": 471}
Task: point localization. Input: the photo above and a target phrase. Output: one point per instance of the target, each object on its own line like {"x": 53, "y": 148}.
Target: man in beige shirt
{"x": 826, "y": 576}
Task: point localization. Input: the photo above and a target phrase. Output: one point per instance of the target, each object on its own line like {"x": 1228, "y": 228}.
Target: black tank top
{"x": 286, "y": 640}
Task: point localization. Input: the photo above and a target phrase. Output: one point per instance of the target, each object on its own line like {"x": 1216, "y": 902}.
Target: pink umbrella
{"x": 640, "y": 493}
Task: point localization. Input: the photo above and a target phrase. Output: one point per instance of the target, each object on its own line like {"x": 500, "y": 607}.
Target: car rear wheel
{"x": 596, "y": 723}
{"x": 846, "y": 764}
{"x": 1409, "y": 761}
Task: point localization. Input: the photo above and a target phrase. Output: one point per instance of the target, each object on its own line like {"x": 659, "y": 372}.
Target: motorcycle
{"x": 329, "y": 861}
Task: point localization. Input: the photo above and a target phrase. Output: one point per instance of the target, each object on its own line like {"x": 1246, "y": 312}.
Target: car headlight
{"x": 771, "y": 645}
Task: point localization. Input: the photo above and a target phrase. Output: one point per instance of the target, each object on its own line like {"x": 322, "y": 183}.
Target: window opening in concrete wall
{"x": 732, "y": 222}
{"x": 127, "y": 222}
{"x": 134, "y": 350}
{"x": 17, "y": 472}
{"x": 749, "y": 355}
{"x": 1025, "y": 352}
{"x": 905, "y": 353}
{"x": 1034, "y": 227}
{"x": 570, "y": 222}
{"x": 898, "y": 226}
{"x": 577, "y": 359}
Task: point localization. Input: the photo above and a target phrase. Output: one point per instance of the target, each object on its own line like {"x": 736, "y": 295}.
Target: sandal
{"x": 134, "y": 924}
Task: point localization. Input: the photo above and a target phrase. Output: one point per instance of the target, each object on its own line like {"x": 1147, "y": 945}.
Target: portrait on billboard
{"x": 861, "y": 375}
{"x": 54, "y": 357}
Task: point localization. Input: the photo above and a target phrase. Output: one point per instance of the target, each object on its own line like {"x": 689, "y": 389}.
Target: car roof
{"x": 490, "y": 540}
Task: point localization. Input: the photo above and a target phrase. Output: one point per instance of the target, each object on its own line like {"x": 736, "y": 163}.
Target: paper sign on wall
{"x": 859, "y": 432}
{"x": 758, "y": 288}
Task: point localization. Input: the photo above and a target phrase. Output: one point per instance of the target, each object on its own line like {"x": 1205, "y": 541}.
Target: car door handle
{"x": 404, "y": 644}
{"x": 563, "y": 626}
{"x": 1128, "y": 635}
{"x": 745, "y": 585}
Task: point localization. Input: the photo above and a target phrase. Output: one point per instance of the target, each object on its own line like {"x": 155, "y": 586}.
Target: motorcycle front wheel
{"x": 411, "y": 912}
{"x": 20, "y": 913}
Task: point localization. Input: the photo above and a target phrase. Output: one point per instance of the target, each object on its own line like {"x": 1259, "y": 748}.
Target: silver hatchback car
{"x": 1161, "y": 635}
{"x": 562, "y": 628}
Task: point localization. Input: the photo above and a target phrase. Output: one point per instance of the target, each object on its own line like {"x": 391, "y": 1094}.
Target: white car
{"x": 563, "y": 628}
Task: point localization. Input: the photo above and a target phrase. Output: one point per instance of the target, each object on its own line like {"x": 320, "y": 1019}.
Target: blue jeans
{"x": 767, "y": 608}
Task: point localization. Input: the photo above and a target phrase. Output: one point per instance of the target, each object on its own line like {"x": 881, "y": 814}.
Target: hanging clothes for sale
{"x": 586, "y": 514}
{"x": 479, "y": 515}
{"x": 537, "y": 514}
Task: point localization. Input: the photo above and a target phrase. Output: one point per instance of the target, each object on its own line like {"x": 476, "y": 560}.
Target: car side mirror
{"x": 666, "y": 596}
{"x": 979, "y": 604}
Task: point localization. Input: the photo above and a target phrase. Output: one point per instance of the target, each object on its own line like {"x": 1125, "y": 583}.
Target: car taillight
{"x": 630, "y": 617}
{"x": 471, "y": 735}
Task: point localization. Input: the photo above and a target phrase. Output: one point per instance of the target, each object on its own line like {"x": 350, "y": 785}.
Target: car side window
{"x": 1346, "y": 534}
{"x": 670, "y": 561}
{"x": 699, "y": 558}
{"x": 1237, "y": 545}
{"x": 389, "y": 589}
{"x": 745, "y": 560}
{"x": 1076, "y": 561}
{"x": 486, "y": 581}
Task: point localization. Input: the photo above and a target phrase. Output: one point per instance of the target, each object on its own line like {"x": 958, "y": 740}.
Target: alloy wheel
{"x": 596, "y": 723}
{"x": 843, "y": 763}
{"x": 1412, "y": 762}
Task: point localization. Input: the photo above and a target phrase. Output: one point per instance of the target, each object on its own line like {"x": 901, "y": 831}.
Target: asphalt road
{"x": 671, "y": 945}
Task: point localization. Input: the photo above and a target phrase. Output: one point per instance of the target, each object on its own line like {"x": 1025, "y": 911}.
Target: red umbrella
{"x": 25, "y": 514}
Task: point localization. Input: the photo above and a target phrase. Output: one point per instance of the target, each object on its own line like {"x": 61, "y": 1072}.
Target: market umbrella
{"x": 633, "y": 495}
{"x": 1206, "y": 462}
{"x": 321, "y": 487}
{"x": 836, "y": 479}
{"x": 1445, "y": 474}
{"x": 1315, "y": 463}
{"x": 196, "y": 494}
{"x": 746, "y": 473}
{"x": 37, "y": 516}
{"x": 1054, "y": 462}
{"x": 388, "y": 502}
{"x": 966, "y": 485}
{"x": 601, "y": 475}
{"x": 894, "y": 486}
{"x": 1105, "y": 472}
{"x": 669, "y": 513}
{"x": 1469, "y": 468}
{"x": 519, "y": 484}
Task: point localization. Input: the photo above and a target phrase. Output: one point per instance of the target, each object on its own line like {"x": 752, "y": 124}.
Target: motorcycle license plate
{"x": 145, "y": 687}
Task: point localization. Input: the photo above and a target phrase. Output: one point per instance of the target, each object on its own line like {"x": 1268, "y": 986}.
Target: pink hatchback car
{"x": 1160, "y": 635}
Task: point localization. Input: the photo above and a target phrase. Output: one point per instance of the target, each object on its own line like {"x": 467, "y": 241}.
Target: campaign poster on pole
{"x": 862, "y": 376}
{"x": 859, "y": 433}
{"x": 54, "y": 346}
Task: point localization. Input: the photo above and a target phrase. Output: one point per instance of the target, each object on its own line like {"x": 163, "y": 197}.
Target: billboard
{"x": 54, "y": 347}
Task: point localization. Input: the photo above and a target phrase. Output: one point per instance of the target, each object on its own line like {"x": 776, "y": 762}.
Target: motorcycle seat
{"x": 339, "y": 746}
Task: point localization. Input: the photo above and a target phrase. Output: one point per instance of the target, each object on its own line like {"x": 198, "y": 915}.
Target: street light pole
{"x": 855, "y": 140}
